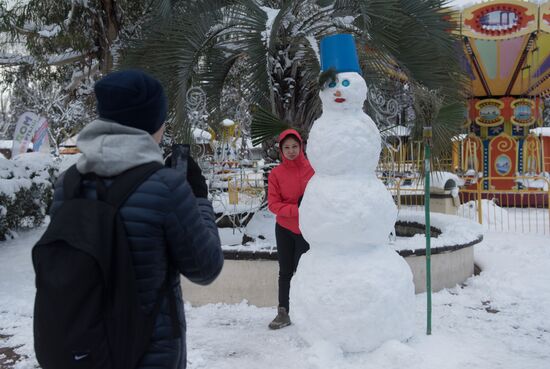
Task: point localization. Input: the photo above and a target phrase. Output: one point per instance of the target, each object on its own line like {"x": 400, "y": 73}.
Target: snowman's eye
{"x": 345, "y": 83}
{"x": 332, "y": 84}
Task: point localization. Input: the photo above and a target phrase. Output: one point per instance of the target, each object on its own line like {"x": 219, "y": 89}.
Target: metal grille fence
{"x": 522, "y": 210}
{"x": 525, "y": 210}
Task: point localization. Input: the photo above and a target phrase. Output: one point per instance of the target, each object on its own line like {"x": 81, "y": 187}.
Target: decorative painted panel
{"x": 502, "y": 161}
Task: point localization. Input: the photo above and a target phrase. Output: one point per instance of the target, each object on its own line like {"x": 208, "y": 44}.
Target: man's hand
{"x": 196, "y": 179}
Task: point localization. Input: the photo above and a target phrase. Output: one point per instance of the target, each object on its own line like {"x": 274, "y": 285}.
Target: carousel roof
{"x": 507, "y": 46}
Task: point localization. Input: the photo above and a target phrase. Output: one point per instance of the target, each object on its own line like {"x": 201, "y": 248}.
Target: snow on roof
{"x": 398, "y": 131}
{"x": 71, "y": 141}
{"x": 8, "y": 144}
{"x": 201, "y": 136}
{"x": 438, "y": 180}
{"x": 541, "y": 131}
{"x": 461, "y": 4}
{"x": 460, "y": 137}
{"x": 228, "y": 123}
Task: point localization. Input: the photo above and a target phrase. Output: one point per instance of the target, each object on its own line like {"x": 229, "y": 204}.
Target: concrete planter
{"x": 252, "y": 274}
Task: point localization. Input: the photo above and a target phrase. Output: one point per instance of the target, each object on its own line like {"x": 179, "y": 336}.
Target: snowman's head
{"x": 347, "y": 92}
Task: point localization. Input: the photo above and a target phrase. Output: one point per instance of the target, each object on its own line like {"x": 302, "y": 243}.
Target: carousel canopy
{"x": 507, "y": 46}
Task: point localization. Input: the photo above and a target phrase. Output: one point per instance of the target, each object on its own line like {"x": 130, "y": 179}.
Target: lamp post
{"x": 427, "y": 135}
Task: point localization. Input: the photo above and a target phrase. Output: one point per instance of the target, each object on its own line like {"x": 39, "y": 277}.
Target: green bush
{"x": 26, "y": 191}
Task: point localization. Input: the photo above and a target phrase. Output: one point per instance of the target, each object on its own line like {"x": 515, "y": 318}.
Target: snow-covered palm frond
{"x": 277, "y": 42}
{"x": 174, "y": 50}
{"x": 265, "y": 126}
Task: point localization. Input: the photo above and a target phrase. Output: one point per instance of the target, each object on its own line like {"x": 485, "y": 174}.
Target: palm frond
{"x": 248, "y": 23}
{"x": 213, "y": 74}
{"x": 449, "y": 123}
{"x": 265, "y": 125}
{"x": 172, "y": 50}
{"x": 427, "y": 47}
{"x": 446, "y": 119}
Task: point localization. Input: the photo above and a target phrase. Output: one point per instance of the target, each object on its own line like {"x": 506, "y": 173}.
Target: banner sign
{"x": 40, "y": 141}
{"x": 24, "y": 132}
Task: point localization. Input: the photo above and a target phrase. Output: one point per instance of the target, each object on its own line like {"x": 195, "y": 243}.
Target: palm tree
{"x": 273, "y": 43}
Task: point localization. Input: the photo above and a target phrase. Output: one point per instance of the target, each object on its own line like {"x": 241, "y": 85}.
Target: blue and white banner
{"x": 40, "y": 140}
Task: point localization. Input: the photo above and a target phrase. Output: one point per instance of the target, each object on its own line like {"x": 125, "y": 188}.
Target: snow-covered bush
{"x": 26, "y": 189}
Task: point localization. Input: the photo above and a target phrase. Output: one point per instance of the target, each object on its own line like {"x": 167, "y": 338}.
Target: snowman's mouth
{"x": 340, "y": 100}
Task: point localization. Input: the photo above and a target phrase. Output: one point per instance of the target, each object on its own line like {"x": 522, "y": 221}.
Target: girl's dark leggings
{"x": 290, "y": 247}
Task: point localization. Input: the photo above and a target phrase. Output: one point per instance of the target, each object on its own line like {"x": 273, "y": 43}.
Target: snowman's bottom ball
{"x": 347, "y": 210}
{"x": 354, "y": 301}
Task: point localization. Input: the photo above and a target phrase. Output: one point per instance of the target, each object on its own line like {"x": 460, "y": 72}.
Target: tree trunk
{"x": 109, "y": 29}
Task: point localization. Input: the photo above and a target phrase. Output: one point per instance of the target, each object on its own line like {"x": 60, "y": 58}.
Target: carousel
{"x": 507, "y": 49}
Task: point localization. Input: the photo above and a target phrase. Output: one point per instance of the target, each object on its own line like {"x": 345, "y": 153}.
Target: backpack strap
{"x": 127, "y": 182}
{"x": 116, "y": 194}
{"x": 71, "y": 183}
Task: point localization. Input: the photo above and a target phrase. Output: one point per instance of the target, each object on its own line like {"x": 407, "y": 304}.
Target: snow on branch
{"x": 52, "y": 60}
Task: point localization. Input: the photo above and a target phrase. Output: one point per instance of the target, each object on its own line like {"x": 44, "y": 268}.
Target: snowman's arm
{"x": 275, "y": 203}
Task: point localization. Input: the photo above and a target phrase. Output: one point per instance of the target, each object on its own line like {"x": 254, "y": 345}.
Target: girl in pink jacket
{"x": 286, "y": 185}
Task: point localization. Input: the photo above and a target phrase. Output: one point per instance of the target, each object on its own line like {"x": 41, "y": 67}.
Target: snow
{"x": 314, "y": 46}
{"x": 438, "y": 180}
{"x": 329, "y": 201}
{"x": 492, "y": 214}
{"x": 351, "y": 283}
{"x": 350, "y": 293}
{"x": 459, "y": 137}
{"x": 70, "y": 142}
{"x": 499, "y": 319}
{"x": 271, "y": 15}
{"x": 534, "y": 181}
{"x": 462, "y": 4}
{"x": 365, "y": 212}
{"x": 496, "y": 218}
{"x": 455, "y": 230}
{"x": 398, "y": 131}
{"x": 17, "y": 173}
{"x": 50, "y": 30}
{"x": 330, "y": 133}
{"x": 201, "y": 136}
{"x": 246, "y": 203}
{"x": 8, "y": 144}
{"x": 541, "y": 131}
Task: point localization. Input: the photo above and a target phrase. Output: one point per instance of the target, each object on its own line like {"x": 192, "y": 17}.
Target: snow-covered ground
{"x": 499, "y": 319}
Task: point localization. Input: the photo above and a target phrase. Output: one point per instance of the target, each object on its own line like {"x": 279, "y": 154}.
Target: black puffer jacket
{"x": 166, "y": 226}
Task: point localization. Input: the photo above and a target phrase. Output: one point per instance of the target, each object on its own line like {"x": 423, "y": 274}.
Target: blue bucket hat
{"x": 339, "y": 52}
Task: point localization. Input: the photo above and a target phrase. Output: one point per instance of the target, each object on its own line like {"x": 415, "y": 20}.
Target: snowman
{"x": 351, "y": 290}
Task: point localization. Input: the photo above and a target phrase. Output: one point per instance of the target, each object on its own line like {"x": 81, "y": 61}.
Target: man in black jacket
{"x": 168, "y": 219}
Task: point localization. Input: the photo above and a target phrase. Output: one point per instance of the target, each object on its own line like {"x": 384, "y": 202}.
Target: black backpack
{"x": 87, "y": 312}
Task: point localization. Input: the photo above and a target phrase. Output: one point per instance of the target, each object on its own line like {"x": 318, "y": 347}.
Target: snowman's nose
{"x": 337, "y": 93}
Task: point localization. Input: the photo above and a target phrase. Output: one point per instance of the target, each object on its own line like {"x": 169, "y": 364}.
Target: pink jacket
{"x": 286, "y": 184}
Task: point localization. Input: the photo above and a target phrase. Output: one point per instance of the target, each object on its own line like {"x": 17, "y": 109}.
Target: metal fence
{"x": 407, "y": 192}
{"x": 522, "y": 210}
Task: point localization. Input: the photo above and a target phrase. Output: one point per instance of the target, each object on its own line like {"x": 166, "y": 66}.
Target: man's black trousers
{"x": 290, "y": 247}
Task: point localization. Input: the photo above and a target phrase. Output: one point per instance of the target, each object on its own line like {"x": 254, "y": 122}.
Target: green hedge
{"x": 26, "y": 190}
